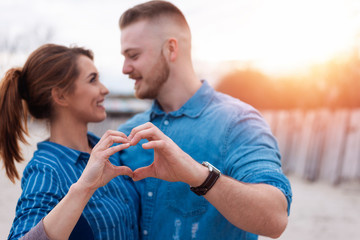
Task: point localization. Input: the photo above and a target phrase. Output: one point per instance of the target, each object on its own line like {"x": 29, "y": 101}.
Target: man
{"x": 189, "y": 123}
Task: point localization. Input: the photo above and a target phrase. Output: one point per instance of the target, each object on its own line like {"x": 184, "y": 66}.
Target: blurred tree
{"x": 334, "y": 84}
{"x": 249, "y": 85}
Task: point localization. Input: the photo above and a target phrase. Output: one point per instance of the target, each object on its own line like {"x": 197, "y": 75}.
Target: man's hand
{"x": 170, "y": 162}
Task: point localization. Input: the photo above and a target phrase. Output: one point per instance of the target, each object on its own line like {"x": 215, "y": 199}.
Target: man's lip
{"x": 137, "y": 80}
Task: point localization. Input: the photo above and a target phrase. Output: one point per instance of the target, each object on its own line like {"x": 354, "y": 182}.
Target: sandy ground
{"x": 319, "y": 211}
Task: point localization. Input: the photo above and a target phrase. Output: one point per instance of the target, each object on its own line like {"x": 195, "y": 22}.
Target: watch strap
{"x": 209, "y": 182}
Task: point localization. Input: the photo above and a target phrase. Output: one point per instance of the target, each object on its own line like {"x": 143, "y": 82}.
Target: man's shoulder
{"x": 224, "y": 102}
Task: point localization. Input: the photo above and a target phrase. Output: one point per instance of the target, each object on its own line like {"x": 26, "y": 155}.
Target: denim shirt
{"x": 212, "y": 127}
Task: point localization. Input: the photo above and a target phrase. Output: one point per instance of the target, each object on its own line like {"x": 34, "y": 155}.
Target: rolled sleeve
{"x": 256, "y": 159}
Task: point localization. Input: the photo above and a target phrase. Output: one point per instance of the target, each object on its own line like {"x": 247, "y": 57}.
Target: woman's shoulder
{"x": 45, "y": 159}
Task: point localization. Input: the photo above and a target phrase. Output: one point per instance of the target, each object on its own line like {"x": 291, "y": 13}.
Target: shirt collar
{"x": 67, "y": 153}
{"x": 192, "y": 108}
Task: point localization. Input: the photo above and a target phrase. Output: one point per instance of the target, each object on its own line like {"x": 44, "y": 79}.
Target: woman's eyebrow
{"x": 93, "y": 74}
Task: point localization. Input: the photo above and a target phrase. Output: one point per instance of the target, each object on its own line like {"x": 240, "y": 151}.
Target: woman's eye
{"x": 94, "y": 78}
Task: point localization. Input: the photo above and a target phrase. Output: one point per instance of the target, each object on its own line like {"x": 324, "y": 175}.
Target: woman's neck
{"x": 69, "y": 133}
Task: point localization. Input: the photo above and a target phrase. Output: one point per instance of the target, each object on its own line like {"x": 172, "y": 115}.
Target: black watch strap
{"x": 213, "y": 176}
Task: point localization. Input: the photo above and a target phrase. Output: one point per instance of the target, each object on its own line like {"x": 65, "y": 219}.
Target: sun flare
{"x": 285, "y": 35}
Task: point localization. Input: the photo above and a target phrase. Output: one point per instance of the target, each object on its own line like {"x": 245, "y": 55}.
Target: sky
{"x": 274, "y": 36}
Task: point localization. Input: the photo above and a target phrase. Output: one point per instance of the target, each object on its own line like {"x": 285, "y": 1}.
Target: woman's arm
{"x": 60, "y": 221}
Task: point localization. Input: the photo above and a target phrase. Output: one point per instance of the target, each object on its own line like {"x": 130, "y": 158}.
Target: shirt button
{"x": 150, "y": 194}
{"x": 145, "y": 232}
{"x": 166, "y": 122}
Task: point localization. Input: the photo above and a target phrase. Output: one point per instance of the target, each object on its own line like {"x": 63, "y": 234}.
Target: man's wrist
{"x": 200, "y": 174}
{"x": 213, "y": 176}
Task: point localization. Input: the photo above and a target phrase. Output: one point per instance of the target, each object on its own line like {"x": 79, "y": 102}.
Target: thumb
{"x": 123, "y": 170}
{"x": 143, "y": 172}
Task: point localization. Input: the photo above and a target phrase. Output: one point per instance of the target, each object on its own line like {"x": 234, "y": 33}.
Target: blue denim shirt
{"x": 212, "y": 127}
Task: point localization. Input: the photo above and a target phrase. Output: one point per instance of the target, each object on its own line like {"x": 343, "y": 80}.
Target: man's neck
{"x": 174, "y": 96}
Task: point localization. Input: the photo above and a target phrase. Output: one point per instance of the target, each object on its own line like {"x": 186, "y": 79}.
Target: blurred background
{"x": 297, "y": 61}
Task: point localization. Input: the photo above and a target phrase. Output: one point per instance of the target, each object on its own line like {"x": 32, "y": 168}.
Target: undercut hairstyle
{"x": 28, "y": 89}
{"x": 151, "y": 11}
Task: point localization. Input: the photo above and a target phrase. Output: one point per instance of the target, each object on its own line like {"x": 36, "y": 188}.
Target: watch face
{"x": 211, "y": 167}
{"x": 214, "y": 174}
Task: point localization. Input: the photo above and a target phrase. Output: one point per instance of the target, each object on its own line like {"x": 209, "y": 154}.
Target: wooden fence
{"x": 318, "y": 144}
{"x": 315, "y": 144}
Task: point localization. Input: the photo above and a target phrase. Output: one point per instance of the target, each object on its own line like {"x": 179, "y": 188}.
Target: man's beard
{"x": 153, "y": 84}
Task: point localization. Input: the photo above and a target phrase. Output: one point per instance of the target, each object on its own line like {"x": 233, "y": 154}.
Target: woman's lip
{"x": 100, "y": 103}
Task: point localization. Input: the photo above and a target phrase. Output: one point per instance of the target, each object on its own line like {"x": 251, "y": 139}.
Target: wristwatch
{"x": 214, "y": 174}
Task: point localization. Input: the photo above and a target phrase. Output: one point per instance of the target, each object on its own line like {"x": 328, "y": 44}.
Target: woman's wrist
{"x": 81, "y": 190}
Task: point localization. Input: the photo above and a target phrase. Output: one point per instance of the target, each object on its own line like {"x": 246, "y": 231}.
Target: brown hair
{"x": 28, "y": 89}
{"x": 150, "y": 11}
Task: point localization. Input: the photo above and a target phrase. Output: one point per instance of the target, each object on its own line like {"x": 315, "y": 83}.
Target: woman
{"x": 63, "y": 181}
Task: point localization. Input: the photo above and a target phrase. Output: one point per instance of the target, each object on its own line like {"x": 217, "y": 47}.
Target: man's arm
{"x": 256, "y": 208}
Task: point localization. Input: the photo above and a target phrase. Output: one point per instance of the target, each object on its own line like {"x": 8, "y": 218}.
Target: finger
{"x": 143, "y": 134}
{"x": 159, "y": 144}
{"x": 117, "y": 148}
{"x": 150, "y": 134}
{"x": 139, "y": 128}
{"x": 116, "y": 133}
{"x": 123, "y": 170}
{"x": 111, "y": 133}
{"x": 109, "y": 141}
{"x": 143, "y": 172}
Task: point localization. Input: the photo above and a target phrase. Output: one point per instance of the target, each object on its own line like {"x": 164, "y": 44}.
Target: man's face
{"x": 144, "y": 60}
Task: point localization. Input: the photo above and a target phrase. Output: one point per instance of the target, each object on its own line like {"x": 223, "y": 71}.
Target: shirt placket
{"x": 151, "y": 185}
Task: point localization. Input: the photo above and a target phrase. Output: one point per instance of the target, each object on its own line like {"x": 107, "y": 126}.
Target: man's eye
{"x": 133, "y": 56}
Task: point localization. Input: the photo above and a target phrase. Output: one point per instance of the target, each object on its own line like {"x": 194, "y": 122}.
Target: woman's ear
{"x": 172, "y": 48}
{"x": 58, "y": 96}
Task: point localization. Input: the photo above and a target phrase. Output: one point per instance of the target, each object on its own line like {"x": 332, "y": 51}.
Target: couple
{"x": 172, "y": 151}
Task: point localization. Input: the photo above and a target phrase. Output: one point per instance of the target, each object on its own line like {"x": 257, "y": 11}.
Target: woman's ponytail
{"x": 28, "y": 90}
{"x": 13, "y": 121}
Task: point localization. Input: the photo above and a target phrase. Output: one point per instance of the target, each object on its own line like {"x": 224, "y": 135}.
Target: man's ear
{"x": 172, "y": 48}
{"x": 58, "y": 96}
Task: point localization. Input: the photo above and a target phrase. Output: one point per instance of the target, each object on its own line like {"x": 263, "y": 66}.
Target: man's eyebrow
{"x": 129, "y": 50}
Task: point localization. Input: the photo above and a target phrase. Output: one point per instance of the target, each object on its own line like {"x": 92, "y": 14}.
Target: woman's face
{"x": 87, "y": 98}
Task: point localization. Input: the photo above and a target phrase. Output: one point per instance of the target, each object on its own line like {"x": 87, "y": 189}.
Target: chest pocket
{"x": 183, "y": 201}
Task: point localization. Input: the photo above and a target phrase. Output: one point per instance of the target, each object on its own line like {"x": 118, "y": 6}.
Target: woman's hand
{"x": 99, "y": 170}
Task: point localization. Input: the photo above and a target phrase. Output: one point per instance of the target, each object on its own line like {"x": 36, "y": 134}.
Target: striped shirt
{"x": 112, "y": 212}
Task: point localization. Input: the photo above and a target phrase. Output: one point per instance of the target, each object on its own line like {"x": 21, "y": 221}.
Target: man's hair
{"x": 152, "y": 10}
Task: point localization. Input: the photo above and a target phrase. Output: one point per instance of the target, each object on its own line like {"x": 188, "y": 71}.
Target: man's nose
{"x": 127, "y": 67}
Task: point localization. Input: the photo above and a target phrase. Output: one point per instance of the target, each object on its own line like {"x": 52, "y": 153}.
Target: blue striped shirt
{"x": 112, "y": 212}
